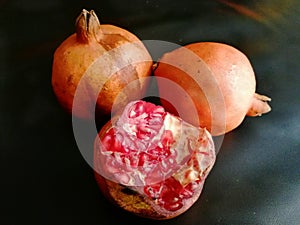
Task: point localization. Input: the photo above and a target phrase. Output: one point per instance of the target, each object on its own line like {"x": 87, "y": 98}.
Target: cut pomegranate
{"x": 157, "y": 155}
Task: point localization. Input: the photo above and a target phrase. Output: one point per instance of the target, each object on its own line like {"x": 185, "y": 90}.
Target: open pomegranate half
{"x": 151, "y": 163}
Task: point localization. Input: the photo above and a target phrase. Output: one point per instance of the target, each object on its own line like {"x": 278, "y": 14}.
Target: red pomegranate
{"x": 151, "y": 163}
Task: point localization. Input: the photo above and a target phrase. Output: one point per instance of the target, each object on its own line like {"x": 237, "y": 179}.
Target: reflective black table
{"x": 45, "y": 179}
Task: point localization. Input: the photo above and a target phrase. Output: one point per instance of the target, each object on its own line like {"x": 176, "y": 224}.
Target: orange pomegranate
{"x": 102, "y": 59}
{"x": 220, "y": 81}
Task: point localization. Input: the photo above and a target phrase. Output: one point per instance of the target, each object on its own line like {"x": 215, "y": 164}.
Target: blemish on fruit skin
{"x": 128, "y": 191}
{"x": 69, "y": 79}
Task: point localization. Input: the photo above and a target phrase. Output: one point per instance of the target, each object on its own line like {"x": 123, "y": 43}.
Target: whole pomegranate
{"x": 103, "y": 59}
{"x": 220, "y": 81}
{"x": 151, "y": 163}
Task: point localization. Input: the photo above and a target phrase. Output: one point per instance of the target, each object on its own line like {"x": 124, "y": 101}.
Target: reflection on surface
{"x": 270, "y": 12}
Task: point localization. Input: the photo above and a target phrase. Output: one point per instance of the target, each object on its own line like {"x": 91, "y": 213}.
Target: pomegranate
{"x": 152, "y": 163}
{"x": 108, "y": 58}
{"x": 223, "y": 94}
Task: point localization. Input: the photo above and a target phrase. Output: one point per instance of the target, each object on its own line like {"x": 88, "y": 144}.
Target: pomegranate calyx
{"x": 87, "y": 27}
{"x": 259, "y": 105}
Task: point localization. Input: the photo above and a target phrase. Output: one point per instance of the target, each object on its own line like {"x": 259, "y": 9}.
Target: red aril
{"x": 160, "y": 158}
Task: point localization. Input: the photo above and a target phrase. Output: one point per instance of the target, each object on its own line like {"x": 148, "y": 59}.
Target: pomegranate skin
{"x": 191, "y": 155}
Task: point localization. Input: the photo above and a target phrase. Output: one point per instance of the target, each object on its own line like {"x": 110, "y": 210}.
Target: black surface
{"x": 44, "y": 178}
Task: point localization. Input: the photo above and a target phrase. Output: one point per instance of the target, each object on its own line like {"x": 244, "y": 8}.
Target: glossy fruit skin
{"x": 230, "y": 71}
{"x": 165, "y": 175}
{"x": 96, "y": 52}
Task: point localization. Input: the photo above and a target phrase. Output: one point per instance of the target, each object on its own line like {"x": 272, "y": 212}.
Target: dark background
{"x": 45, "y": 180}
